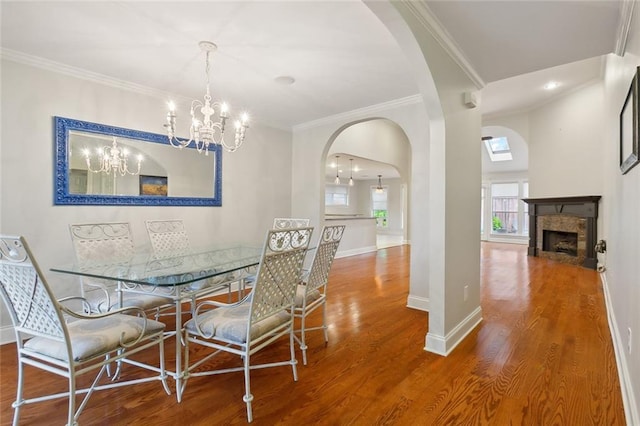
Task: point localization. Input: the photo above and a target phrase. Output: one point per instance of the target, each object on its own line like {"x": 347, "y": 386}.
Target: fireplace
{"x": 560, "y": 242}
{"x": 564, "y": 229}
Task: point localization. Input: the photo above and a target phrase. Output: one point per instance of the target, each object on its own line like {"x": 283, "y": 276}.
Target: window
{"x": 379, "y": 206}
{"x": 525, "y": 208}
{"x": 504, "y": 208}
{"x": 336, "y": 195}
{"x": 498, "y": 149}
{"x": 504, "y": 214}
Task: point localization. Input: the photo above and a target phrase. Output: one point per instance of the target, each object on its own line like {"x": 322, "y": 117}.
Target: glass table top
{"x": 170, "y": 269}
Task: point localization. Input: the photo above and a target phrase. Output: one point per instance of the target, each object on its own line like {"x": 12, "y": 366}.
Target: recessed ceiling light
{"x": 285, "y": 80}
{"x": 551, "y": 85}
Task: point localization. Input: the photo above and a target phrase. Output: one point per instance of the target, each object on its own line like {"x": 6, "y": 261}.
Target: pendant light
{"x": 379, "y": 188}
{"x": 337, "y": 181}
{"x": 351, "y": 172}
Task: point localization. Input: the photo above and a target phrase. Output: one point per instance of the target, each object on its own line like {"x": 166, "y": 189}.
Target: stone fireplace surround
{"x": 567, "y": 214}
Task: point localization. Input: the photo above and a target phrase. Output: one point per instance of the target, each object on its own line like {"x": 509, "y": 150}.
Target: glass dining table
{"x": 178, "y": 276}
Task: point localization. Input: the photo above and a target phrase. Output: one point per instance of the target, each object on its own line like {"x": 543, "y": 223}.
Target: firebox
{"x": 560, "y": 242}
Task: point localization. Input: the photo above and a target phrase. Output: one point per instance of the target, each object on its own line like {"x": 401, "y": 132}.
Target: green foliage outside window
{"x": 497, "y": 223}
{"x": 381, "y": 217}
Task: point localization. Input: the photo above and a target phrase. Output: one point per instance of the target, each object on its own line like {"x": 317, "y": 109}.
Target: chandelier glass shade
{"x": 208, "y": 119}
{"x": 379, "y": 188}
{"x": 112, "y": 159}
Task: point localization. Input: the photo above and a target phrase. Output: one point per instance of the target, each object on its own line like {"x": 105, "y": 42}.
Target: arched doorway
{"x": 379, "y": 151}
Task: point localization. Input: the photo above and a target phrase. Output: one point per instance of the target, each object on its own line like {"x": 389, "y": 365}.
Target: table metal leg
{"x": 179, "y": 374}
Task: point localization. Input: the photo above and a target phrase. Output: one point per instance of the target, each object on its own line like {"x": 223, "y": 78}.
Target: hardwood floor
{"x": 542, "y": 355}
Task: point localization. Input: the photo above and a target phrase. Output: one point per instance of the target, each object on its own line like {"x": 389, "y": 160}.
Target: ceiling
{"x": 339, "y": 54}
{"x": 363, "y": 168}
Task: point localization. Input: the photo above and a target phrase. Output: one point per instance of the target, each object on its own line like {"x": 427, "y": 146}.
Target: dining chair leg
{"x": 324, "y": 322}
{"x": 72, "y": 399}
{"x": 163, "y": 373}
{"x": 18, "y": 404}
{"x": 247, "y": 398}
{"x": 303, "y": 342}
{"x": 292, "y": 348}
{"x": 240, "y": 287}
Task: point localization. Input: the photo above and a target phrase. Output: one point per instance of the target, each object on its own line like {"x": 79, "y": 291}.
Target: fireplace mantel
{"x": 583, "y": 207}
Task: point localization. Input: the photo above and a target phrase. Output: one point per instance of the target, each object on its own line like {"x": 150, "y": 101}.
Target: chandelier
{"x": 112, "y": 159}
{"x": 204, "y": 130}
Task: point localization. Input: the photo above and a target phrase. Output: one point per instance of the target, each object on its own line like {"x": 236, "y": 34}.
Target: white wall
{"x": 518, "y": 122}
{"x": 566, "y": 145}
{"x": 378, "y": 140}
{"x": 620, "y": 208}
{"x": 256, "y": 178}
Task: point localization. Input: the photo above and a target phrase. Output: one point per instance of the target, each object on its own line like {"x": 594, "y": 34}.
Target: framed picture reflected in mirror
{"x": 154, "y": 185}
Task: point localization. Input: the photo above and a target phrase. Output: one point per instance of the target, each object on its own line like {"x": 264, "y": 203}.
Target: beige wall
{"x": 566, "y": 145}
{"x": 32, "y": 96}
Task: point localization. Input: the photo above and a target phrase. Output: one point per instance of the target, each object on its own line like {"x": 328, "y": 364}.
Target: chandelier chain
{"x": 206, "y": 72}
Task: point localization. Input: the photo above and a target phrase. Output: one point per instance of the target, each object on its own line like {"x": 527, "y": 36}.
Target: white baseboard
{"x": 443, "y": 345}
{"x": 7, "y": 335}
{"x": 628, "y": 397}
{"x": 419, "y": 303}
{"x": 514, "y": 240}
{"x": 354, "y": 252}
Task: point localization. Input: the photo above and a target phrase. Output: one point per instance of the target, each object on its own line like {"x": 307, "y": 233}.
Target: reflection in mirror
{"x": 98, "y": 164}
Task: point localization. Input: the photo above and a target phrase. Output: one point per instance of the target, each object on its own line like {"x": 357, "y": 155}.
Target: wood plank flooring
{"x": 541, "y": 356}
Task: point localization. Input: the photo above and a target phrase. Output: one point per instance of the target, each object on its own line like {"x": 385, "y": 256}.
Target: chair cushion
{"x": 93, "y": 337}
{"x": 312, "y": 296}
{"x": 144, "y": 301}
{"x": 230, "y": 323}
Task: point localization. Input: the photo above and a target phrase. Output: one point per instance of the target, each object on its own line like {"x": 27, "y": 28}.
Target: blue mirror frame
{"x": 62, "y": 127}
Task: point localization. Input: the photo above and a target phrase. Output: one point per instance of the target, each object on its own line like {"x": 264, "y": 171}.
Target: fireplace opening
{"x": 560, "y": 242}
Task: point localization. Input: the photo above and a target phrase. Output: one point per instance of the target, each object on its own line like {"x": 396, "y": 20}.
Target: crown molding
{"x": 427, "y": 18}
{"x": 357, "y": 114}
{"x": 80, "y": 73}
{"x": 624, "y": 24}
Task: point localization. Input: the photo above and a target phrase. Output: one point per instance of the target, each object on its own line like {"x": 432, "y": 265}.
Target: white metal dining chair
{"x": 95, "y": 242}
{"x": 168, "y": 237}
{"x": 84, "y": 344}
{"x": 289, "y": 222}
{"x": 278, "y": 223}
{"x": 260, "y": 319}
{"x": 312, "y": 293}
